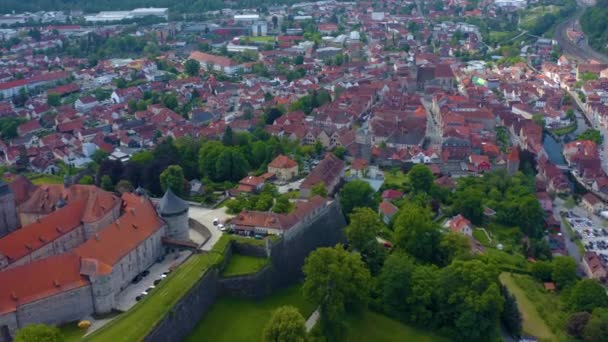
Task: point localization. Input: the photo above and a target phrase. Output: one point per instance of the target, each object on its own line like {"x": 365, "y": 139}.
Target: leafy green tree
{"x": 416, "y": 233}
{"x": 564, "y": 271}
{"x": 470, "y": 299}
{"x": 38, "y": 333}
{"x": 285, "y": 324}
{"x": 591, "y": 134}
{"x": 349, "y": 281}
{"x": 319, "y": 189}
{"x": 530, "y": 216}
{"x": 421, "y": 178}
{"x": 577, "y": 322}
{"x": 208, "y": 156}
{"x": 395, "y": 282}
{"x": 173, "y": 178}
{"x": 597, "y": 327}
{"x": 192, "y": 67}
{"x": 231, "y": 165}
{"x": 86, "y": 180}
{"x": 454, "y": 246}
{"x": 264, "y": 202}
{"x": 99, "y": 156}
{"x": 106, "y": 183}
{"x": 124, "y": 186}
{"x": 282, "y": 205}
{"x": 53, "y": 99}
{"x": 510, "y": 316}
{"x": 355, "y": 194}
{"x": 586, "y": 295}
{"x": 469, "y": 203}
{"x": 363, "y": 228}
{"x": 542, "y": 270}
{"x": 170, "y": 101}
{"x": 228, "y": 137}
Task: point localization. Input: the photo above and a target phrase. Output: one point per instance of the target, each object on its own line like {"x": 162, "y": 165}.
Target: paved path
{"x": 205, "y": 217}
{"x": 312, "y": 320}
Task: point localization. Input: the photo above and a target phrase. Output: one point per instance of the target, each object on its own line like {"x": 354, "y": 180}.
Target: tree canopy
{"x": 173, "y": 178}
{"x": 355, "y": 194}
{"x": 349, "y": 278}
{"x": 285, "y": 324}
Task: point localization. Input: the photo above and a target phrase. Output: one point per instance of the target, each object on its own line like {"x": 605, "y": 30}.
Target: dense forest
{"x": 595, "y": 26}
{"x": 182, "y": 6}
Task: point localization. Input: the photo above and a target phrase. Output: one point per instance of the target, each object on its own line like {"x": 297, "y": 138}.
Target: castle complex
{"x": 78, "y": 248}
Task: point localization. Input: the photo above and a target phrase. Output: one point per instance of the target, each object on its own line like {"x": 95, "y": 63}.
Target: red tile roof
{"x": 282, "y": 162}
{"x": 42, "y": 232}
{"x": 138, "y": 222}
{"x": 39, "y": 279}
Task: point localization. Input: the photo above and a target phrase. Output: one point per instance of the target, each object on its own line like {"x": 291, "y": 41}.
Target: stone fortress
{"x": 78, "y": 247}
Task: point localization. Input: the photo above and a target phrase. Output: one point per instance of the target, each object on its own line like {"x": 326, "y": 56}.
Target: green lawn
{"x": 396, "y": 178}
{"x": 506, "y": 260}
{"x": 371, "y": 326}
{"x": 242, "y": 264}
{"x": 262, "y": 39}
{"x": 136, "y": 323}
{"x": 236, "y": 319}
{"x": 71, "y": 332}
{"x": 481, "y": 236}
{"x": 548, "y": 305}
{"x": 533, "y": 324}
{"x": 46, "y": 179}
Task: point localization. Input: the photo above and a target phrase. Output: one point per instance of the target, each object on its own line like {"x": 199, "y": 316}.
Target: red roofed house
{"x": 359, "y": 167}
{"x": 391, "y": 194}
{"x": 284, "y": 168}
{"x": 592, "y": 203}
{"x": 250, "y": 184}
{"x": 480, "y": 163}
{"x": 330, "y": 172}
{"x": 387, "y": 210}
{"x": 218, "y": 63}
{"x": 267, "y": 223}
{"x": 459, "y": 224}
{"x": 594, "y": 268}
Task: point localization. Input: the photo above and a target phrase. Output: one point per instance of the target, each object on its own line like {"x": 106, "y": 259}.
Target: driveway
{"x": 283, "y": 189}
{"x": 205, "y": 216}
{"x": 126, "y": 298}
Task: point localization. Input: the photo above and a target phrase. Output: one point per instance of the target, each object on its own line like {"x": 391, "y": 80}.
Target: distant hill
{"x": 181, "y": 6}
{"x": 595, "y": 25}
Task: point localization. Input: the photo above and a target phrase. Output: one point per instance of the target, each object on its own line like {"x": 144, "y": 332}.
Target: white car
{"x": 221, "y": 227}
{"x": 216, "y": 221}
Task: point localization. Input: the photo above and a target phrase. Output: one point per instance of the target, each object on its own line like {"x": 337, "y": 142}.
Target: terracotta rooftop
{"x": 282, "y": 162}
{"x": 45, "y": 198}
{"x": 22, "y": 188}
{"x": 248, "y": 220}
{"x": 136, "y": 224}
{"x": 42, "y": 232}
{"x": 328, "y": 169}
{"x": 39, "y": 279}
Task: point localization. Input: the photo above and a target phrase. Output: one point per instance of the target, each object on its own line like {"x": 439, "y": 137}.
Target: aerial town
{"x": 199, "y": 172}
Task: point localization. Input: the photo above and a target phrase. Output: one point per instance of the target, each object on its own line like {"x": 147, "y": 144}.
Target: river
{"x": 554, "y": 146}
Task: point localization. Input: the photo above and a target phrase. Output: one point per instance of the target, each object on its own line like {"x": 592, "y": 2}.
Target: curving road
{"x": 581, "y": 51}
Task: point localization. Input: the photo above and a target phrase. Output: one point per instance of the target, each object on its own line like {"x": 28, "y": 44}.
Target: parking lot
{"x": 126, "y": 298}
{"x": 205, "y": 216}
{"x": 591, "y": 233}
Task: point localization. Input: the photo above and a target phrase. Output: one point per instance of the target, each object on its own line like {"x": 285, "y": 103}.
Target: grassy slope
{"x": 532, "y": 322}
{"x": 371, "y": 326}
{"x": 241, "y": 264}
{"x": 236, "y": 319}
{"x": 136, "y": 323}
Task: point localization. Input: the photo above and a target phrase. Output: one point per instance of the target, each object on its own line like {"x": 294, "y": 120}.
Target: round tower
{"x": 174, "y": 211}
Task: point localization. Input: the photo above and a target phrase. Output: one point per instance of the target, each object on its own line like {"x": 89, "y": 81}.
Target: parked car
{"x": 137, "y": 279}
{"x": 157, "y": 281}
{"x": 149, "y": 289}
{"x": 144, "y": 293}
{"x": 145, "y": 273}
{"x": 221, "y": 227}
{"x": 138, "y": 298}
{"x": 216, "y": 221}
{"x": 164, "y": 275}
